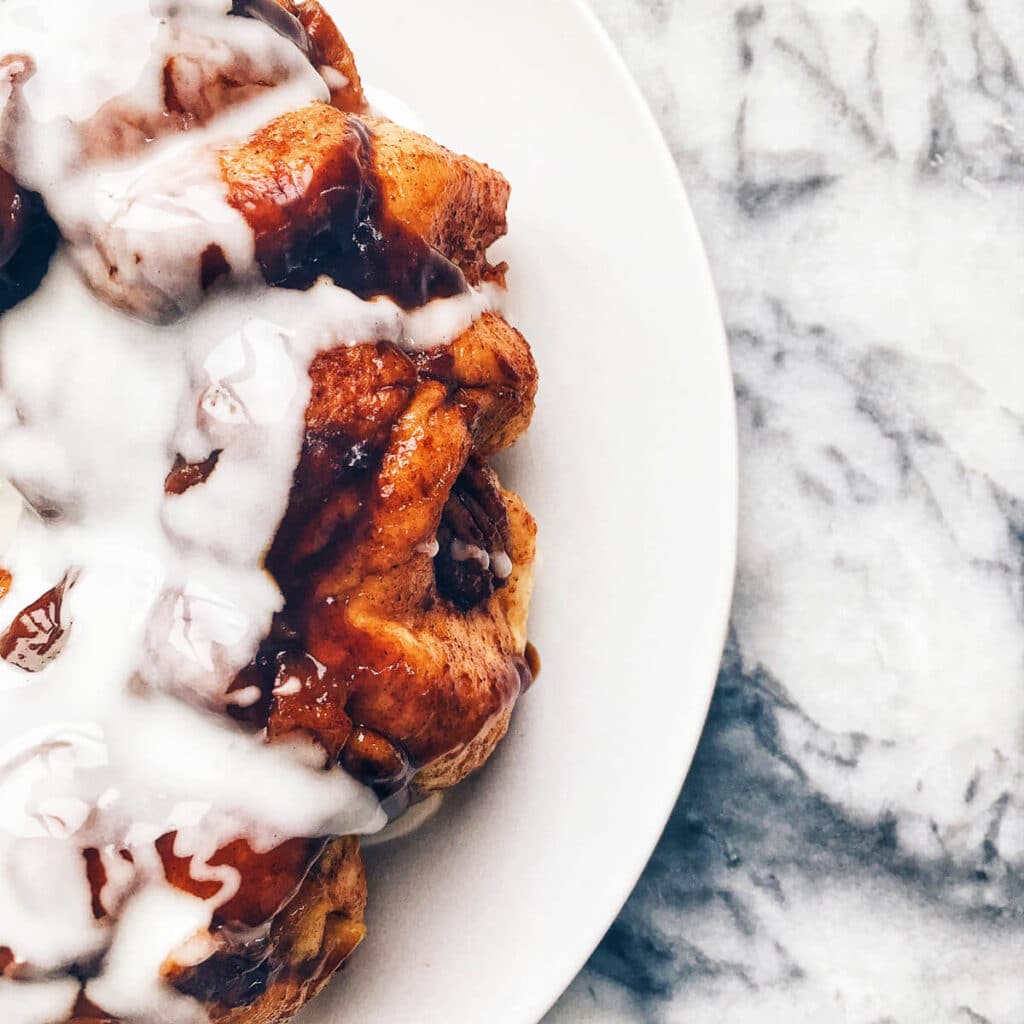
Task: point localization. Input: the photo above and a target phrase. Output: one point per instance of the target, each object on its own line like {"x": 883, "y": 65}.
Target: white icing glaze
{"x": 497, "y": 562}
{"x": 431, "y": 548}
{"x": 121, "y": 739}
{"x": 501, "y": 565}
{"x": 40, "y": 1003}
{"x": 158, "y": 919}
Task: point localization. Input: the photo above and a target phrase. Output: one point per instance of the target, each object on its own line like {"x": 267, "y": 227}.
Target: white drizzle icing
{"x": 41, "y": 1003}
{"x": 109, "y": 747}
{"x": 497, "y": 562}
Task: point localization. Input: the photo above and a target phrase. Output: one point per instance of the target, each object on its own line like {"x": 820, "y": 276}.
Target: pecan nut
{"x": 473, "y": 540}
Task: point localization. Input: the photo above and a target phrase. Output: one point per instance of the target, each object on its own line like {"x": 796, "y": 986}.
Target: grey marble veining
{"x": 850, "y": 845}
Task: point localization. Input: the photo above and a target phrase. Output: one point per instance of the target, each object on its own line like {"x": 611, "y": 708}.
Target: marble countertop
{"x": 850, "y": 844}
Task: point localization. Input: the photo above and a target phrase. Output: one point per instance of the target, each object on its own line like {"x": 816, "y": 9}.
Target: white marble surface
{"x": 850, "y": 846}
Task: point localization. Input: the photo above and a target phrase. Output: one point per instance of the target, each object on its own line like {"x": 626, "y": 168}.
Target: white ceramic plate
{"x": 486, "y": 915}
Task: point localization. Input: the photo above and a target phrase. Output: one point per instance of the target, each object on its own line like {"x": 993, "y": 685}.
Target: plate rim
{"x": 730, "y": 510}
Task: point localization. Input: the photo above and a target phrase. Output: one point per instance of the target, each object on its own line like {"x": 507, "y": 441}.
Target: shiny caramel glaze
{"x": 186, "y": 475}
{"x": 377, "y": 762}
{"x": 269, "y": 880}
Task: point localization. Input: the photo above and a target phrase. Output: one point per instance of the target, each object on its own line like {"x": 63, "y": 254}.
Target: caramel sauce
{"x": 377, "y": 762}
{"x": 268, "y": 880}
{"x": 298, "y": 694}
{"x": 308, "y": 697}
{"x": 38, "y": 633}
{"x": 230, "y": 980}
{"x": 6, "y": 582}
{"x": 186, "y": 475}
{"x": 96, "y": 873}
{"x": 328, "y": 219}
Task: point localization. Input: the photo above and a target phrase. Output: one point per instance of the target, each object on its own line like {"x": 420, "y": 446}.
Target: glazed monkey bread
{"x": 262, "y": 590}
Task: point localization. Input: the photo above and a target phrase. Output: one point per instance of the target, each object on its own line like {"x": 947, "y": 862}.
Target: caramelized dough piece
{"x": 270, "y": 981}
{"x": 493, "y": 369}
{"x": 380, "y": 210}
{"x": 489, "y": 379}
{"x": 388, "y": 441}
{"x": 318, "y": 172}
{"x": 318, "y": 931}
{"x": 438, "y": 679}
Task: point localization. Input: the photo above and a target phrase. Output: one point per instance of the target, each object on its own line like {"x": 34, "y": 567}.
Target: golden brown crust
{"x": 493, "y": 368}
{"x": 456, "y": 204}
